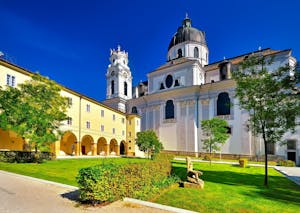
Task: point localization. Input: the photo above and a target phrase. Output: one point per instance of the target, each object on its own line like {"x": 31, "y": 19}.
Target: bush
{"x": 111, "y": 182}
{"x": 243, "y": 162}
{"x": 288, "y": 163}
{"x": 207, "y": 157}
{"x": 24, "y": 156}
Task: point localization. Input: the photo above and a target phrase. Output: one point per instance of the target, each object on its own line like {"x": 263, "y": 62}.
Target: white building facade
{"x": 178, "y": 95}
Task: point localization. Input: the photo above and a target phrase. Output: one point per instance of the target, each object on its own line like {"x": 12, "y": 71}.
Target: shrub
{"x": 207, "y": 157}
{"x": 243, "y": 162}
{"x": 288, "y": 163}
{"x": 24, "y": 156}
{"x": 111, "y": 182}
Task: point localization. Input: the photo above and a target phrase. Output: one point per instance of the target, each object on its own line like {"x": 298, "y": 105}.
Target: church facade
{"x": 187, "y": 89}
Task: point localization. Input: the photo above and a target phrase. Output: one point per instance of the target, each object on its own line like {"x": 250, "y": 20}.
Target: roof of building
{"x": 30, "y": 73}
{"x": 187, "y": 33}
{"x": 240, "y": 58}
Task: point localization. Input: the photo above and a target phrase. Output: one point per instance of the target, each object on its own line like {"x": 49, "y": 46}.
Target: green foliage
{"x": 271, "y": 97}
{"x": 112, "y": 182}
{"x": 24, "y": 157}
{"x": 207, "y": 157}
{"x": 288, "y": 163}
{"x": 33, "y": 110}
{"x": 148, "y": 141}
{"x": 233, "y": 189}
{"x": 243, "y": 162}
{"x": 215, "y": 133}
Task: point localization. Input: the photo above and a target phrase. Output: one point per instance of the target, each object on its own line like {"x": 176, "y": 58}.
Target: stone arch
{"x": 87, "y": 145}
{"x": 68, "y": 144}
{"x": 123, "y": 148}
{"x": 113, "y": 147}
{"x": 102, "y": 146}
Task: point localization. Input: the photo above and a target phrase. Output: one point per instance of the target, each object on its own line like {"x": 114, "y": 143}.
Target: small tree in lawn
{"x": 34, "y": 110}
{"x": 271, "y": 97}
{"x": 215, "y": 134}
{"x": 148, "y": 142}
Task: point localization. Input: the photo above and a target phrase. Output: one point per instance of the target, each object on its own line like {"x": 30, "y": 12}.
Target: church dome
{"x": 187, "y": 33}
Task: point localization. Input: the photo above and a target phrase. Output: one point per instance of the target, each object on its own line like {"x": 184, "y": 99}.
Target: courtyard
{"x": 228, "y": 188}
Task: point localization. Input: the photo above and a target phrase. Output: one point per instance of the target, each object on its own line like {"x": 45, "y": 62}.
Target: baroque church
{"x": 187, "y": 89}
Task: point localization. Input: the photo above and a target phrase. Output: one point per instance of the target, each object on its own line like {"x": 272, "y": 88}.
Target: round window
{"x": 169, "y": 81}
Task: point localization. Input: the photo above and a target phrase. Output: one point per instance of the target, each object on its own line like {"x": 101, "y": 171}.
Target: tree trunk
{"x": 266, "y": 158}
{"x": 35, "y": 148}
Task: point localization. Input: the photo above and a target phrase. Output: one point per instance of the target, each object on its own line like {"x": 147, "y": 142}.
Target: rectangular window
{"x": 70, "y": 102}
{"x": 113, "y": 130}
{"x": 13, "y": 79}
{"x": 10, "y": 80}
{"x": 88, "y": 108}
{"x": 102, "y": 113}
{"x": 88, "y": 125}
{"x": 123, "y": 120}
{"x": 129, "y": 122}
{"x": 291, "y": 144}
{"x": 123, "y": 132}
{"x": 102, "y": 128}
{"x": 137, "y": 122}
{"x": 129, "y": 133}
{"x": 114, "y": 117}
{"x": 69, "y": 121}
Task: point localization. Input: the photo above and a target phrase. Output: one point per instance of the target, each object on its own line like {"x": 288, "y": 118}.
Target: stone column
{"x": 94, "y": 149}
{"x": 107, "y": 149}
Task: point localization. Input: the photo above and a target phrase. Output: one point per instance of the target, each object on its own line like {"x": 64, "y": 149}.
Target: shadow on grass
{"x": 73, "y": 195}
{"x": 280, "y": 188}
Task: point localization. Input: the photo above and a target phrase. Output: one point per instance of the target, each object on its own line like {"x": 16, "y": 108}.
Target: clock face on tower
{"x": 125, "y": 75}
{"x": 112, "y": 73}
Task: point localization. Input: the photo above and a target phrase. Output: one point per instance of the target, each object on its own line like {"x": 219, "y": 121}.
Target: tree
{"x": 34, "y": 110}
{"x": 270, "y": 96}
{"x": 147, "y": 141}
{"x": 215, "y": 131}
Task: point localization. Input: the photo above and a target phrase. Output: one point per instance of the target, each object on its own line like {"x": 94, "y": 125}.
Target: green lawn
{"x": 233, "y": 189}
{"x": 227, "y": 188}
{"x": 62, "y": 171}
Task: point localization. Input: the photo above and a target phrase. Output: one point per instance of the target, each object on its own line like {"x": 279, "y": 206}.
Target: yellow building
{"x": 92, "y": 128}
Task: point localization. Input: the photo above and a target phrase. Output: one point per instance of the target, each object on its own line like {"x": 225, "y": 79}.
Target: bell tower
{"x": 118, "y": 80}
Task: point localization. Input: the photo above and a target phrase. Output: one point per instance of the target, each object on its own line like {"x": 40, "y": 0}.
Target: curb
{"x": 41, "y": 180}
{"x": 157, "y": 206}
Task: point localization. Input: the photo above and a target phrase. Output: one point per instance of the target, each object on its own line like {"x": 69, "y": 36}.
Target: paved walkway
{"x": 292, "y": 173}
{"x": 22, "y": 194}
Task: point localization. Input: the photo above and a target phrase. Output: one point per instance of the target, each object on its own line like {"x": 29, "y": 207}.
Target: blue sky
{"x": 69, "y": 40}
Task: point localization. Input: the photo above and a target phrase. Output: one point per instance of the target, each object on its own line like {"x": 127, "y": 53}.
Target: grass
{"x": 230, "y": 188}
{"x": 62, "y": 171}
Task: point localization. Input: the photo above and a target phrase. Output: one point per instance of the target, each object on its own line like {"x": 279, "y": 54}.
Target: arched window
{"x": 125, "y": 88}
{"x": 223, "y": 104}
{"x": 196, "y": 52}
{"x": 169, "y": 109}
{"x": 112, "y": 87}
{"x": 179, "y": 53}
{"x": 134, "y": 110}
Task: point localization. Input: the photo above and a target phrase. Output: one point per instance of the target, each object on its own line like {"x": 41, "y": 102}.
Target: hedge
{"x": 24, "y": 156}
{"x": 111, "y": 182}
{"x": 287, "y": 163}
